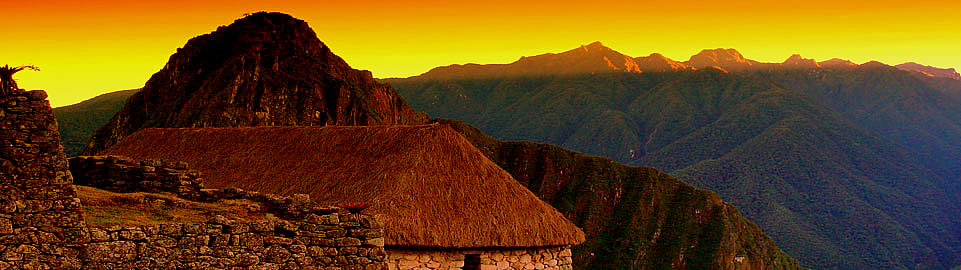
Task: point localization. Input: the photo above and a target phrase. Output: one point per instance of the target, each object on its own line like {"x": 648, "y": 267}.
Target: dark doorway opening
{"x": 471, "y": 262}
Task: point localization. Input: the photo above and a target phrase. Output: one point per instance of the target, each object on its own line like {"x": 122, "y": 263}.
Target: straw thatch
{"x": 428, "y": 183}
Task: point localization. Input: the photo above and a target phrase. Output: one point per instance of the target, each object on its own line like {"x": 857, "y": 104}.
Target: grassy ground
{"x": 104, "y": 208}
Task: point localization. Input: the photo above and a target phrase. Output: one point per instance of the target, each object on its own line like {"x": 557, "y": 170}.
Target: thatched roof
{"x": 428, "y": 183}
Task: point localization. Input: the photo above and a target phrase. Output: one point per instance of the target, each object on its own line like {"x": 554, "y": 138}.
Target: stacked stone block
{"x": 122, "y": 174}
{"x": 41, "y": 224}
{"x": 330, "y": 241}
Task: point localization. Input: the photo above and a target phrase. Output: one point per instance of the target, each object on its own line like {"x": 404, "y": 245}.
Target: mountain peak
{"x": 721, "y": 53}
{"x": 659, "y": 63}
{"x": 268, "y": 19}
{"x": 728, "y": 59}
{"x": 873, "y": 64}
{"x": 596, "y": 45}
{"x": 590, "y": 58}
{"x": 658, "y": 56}
{"x": 796, "y": 61}
{"x": 263, "y": 69}
{"x": 585, "y": 59}
{"x": 930, "y": 71}
{"x": 837, "y": 63}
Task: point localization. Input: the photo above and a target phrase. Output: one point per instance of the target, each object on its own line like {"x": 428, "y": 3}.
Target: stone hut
{"x": 443, "y": 203}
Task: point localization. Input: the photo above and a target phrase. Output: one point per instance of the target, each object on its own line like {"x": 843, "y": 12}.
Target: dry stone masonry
{"x": 121, "y": 174}
{"x": 42, "y": 225}
{"x": 330, "y": 241}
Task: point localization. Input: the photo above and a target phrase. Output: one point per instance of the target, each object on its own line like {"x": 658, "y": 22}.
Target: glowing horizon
{"x": 99, "y": 46}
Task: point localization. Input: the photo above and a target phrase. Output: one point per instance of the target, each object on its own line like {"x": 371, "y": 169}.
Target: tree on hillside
{"x": 7, "y": 84}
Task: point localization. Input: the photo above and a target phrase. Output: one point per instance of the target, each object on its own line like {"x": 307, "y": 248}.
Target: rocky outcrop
{"x": 264, "y": 69}
{"x": 41, "y": 224}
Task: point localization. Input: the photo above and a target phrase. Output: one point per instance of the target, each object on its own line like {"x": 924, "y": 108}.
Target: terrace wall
{"x": 331, "y": 241}
{"x": 42, "y": 224}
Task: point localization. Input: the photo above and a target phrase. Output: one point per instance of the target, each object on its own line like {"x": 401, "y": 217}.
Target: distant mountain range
{"x": 271, "y": 69}
{"x": 846, "y": 166}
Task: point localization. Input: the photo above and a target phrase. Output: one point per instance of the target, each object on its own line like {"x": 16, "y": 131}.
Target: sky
{"x": 87, "y": 48}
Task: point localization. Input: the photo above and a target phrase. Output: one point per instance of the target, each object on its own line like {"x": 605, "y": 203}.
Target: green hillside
{"x": 80, "y": 121}
{"x": 636, "y": 217}
{"x": 893, "y": 104}
{"x": 831, "y": 192}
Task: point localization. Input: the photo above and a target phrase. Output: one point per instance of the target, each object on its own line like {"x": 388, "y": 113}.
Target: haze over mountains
{"x": 846, "y": 166}
{"x": 271, "y": 69}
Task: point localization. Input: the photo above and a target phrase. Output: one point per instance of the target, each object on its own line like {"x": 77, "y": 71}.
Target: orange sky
{"x": 86, "y": 48}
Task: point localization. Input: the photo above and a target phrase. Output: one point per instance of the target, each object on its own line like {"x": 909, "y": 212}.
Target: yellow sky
{"x": 86, "y": 48}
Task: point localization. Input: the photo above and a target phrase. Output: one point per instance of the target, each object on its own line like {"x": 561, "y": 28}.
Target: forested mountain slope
{"x": 845, "y": 166}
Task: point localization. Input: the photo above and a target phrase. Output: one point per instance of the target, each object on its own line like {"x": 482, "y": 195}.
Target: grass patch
{"x": 104, "y": 208}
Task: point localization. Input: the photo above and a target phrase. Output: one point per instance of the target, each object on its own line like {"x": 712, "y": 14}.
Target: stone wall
{"x": 41, "y": 224}
{"x": 513, "y": 259}
{"x": 330, "y": 241}
{"x": 126, "y": 175}
{"x": 122, "y": 174}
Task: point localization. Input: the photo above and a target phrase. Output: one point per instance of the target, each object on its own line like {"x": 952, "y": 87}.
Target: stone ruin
{"x": 42, "y": 224}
